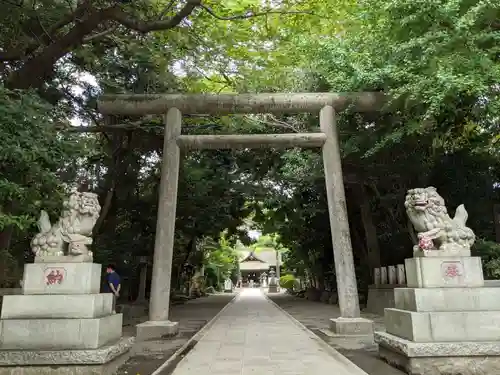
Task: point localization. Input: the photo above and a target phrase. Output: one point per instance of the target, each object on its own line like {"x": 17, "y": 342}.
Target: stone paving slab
{"x": 147, "y": 356}
{"x": 361, "y": 350}
{"x": 254, "y": 337}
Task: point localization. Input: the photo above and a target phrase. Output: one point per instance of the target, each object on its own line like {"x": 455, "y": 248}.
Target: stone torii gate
{"x": 173, "y": 106}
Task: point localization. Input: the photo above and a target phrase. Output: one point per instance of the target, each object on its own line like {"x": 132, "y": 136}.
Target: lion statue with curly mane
{"x": 435, "y": 229}
{"x": 72, "y": 232}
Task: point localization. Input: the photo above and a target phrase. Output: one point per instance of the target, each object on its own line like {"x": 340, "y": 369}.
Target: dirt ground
{"x": 146, "y": 357}
{"x": 363, "y": 352}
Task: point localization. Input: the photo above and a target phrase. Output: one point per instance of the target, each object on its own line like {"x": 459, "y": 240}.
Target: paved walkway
{"x": 253, "y": 337}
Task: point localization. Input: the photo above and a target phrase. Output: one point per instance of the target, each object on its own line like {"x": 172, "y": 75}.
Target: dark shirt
{"x": 111, "y": 278}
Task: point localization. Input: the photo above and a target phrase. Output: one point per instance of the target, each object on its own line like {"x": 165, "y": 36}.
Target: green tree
{"x": 34, "y": 161}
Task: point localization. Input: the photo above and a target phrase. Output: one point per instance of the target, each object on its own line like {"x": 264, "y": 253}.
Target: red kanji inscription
{"x": 452, "y": 270}
{"x": 54, "y": 276}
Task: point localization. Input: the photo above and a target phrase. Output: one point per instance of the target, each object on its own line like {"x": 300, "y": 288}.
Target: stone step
{"x": 447, "y": 299}
{"x": 57, "y": 306}
{"x": 59, "y": 334}
{"x": 437, "y": 358}
{"x": 443, "y": 326}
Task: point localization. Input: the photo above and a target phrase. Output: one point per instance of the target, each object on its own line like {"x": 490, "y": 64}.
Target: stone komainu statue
{"x": 436, "y": 230}
{"x": 73, "y": 228}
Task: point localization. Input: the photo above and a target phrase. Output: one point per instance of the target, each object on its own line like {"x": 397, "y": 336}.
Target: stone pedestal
{"x": 156, "y": 329}
{"x": 445, "y": 322}
{"x": 228, "y": 286}
{"x": 351, "y": 326}
{"x": 60, "y": 319}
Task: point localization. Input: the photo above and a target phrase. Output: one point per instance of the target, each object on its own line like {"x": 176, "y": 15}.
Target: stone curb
{"x": 194, "y": 339}
{"x": 354, "y": 370}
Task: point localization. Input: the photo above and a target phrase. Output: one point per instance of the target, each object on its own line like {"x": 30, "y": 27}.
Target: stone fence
{"x": 381, "y": 292}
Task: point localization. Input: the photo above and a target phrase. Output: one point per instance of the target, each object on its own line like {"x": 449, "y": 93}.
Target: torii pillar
{"x": 349, "y": 322}
{"x": 159, "y": 324}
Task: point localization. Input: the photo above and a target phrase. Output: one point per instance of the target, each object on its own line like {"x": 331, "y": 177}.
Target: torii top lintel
{"x": 221, "y": 104}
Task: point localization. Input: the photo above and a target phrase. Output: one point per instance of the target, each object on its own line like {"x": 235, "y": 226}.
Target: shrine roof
{"x": 261, "y": 259}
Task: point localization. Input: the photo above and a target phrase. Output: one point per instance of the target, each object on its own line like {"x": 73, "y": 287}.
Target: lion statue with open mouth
{"x": 436, "y": 230}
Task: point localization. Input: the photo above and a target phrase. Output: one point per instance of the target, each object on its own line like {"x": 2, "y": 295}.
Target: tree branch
{"x": 99, "y": 35}
{"x": 34, "y": 44}
{"x": 251, "y": 14}
{"x": 126, "y": 20}
{"x": 166, "y": 9}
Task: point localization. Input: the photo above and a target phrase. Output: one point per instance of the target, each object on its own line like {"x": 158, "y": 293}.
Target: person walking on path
{"x": 113, "y": 284}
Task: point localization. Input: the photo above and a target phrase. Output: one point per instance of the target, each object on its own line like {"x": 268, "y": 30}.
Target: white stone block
{"x": 151, "y": 330}
{"x": 391, "y": 275}
{"x": 376, "y": 276}
{"x": 62, "y": 278}
{"x": 351, "y": 326}
{"x": 383, "y": 275}
{"x": 60, "y": 334}
{"x": 443, "y": 326}
{"x": 401, "y": 274}
{"x": 437, "y": 272}
{"x": 447, "y": 299}
{"x": 57, "y": 306}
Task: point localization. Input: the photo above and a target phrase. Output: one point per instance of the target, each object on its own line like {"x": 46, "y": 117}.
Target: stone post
{"x": 349, "y": 322}
{"x": 376, "y": 276}
{"x": 141, "y": 296}
{"x": 392, "y": 275}
{"x": 278, "y": 268}
{"x": 401, "y": 274}
{"x": 383, "y": 275}
{"x": 159, "y": 302}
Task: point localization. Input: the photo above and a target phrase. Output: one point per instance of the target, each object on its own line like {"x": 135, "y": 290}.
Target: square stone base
{"x": 444, "y": 272}
{"x": 272, "y": 289}
{"x": 438, "y": 358}
{"x": 447, "y": 299}
{"x": 351, "y": 326}
{"x": 59, "y": 334}
{"x": 151, "y": 330}
{"x": 54, "y": 306}
{"x": 476, "y": 365}
{"x": 19, "y": 358}
{"x": 448, "y": 326}
{"x": 62, "y": 278}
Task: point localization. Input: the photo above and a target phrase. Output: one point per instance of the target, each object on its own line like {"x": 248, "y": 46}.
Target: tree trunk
{"x": 496, "y": 218}
{"x": 6, "y": 237}
{"x": 106, "y": 207}
{"x": 372, "y": 246}
{"x": 143, "y": 274}
{"x": 38, "y": 68}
